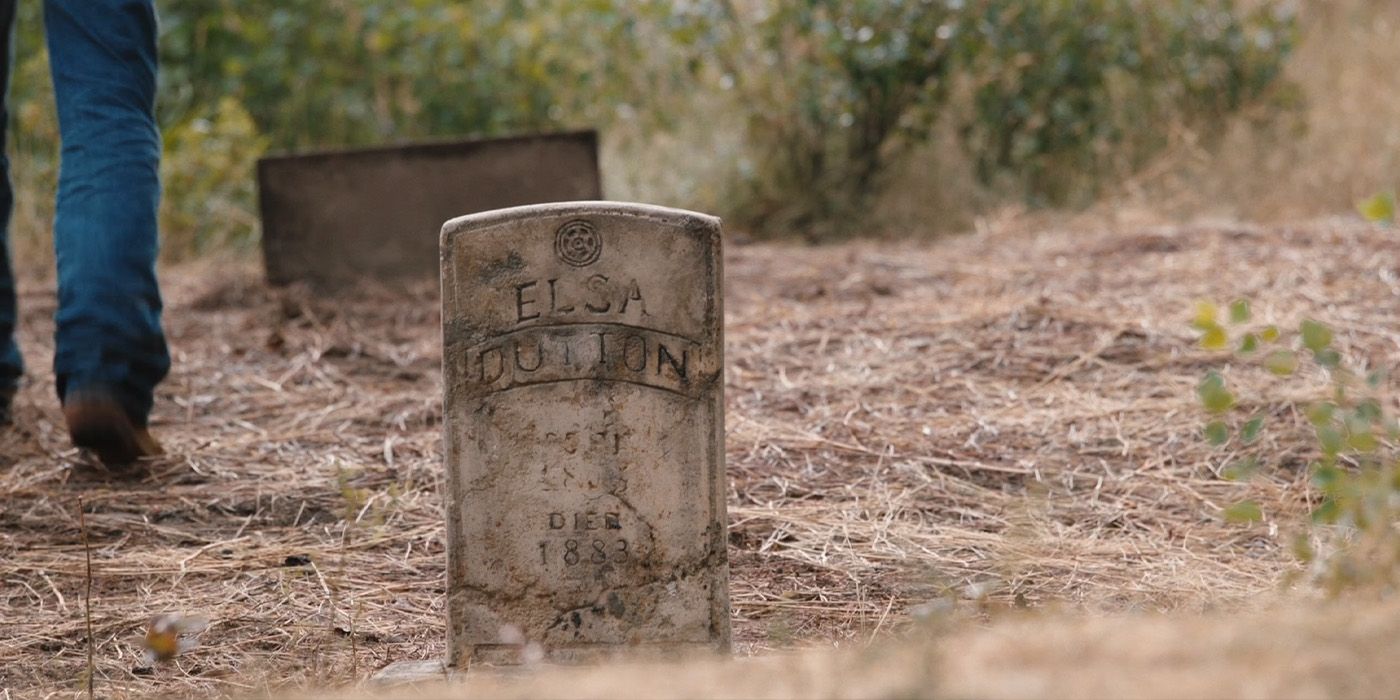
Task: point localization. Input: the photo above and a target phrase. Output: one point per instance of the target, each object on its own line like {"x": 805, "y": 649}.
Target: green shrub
{"x": 832, "y": 92}
{"x": 830, "y": 95}
{"x": 1066, "y": 95}
{"x": 208, "y": 180}
{"x": 1356, "y": 472}
{"x": 312, "y": 73}
{"x": 1055, "y": 98}
{"x": 240, "y": 77}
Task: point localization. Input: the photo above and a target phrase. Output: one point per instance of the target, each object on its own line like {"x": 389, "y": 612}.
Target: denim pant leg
{"x": 109, "y": 337}
{"x": 11, "y": 366}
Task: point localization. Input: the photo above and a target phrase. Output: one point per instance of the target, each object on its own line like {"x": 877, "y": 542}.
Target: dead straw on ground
{"x": 1002, "y": 420}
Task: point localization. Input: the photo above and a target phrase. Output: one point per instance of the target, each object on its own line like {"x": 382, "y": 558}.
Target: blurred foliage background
{"x": 819, "y": 119}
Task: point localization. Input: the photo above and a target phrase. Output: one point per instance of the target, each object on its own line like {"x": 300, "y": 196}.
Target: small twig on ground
{"x": 354, "y": 646}
{"x": 350, "y": 603}
{"x": 878, "y": 625}
{"x": 87, "y": 600}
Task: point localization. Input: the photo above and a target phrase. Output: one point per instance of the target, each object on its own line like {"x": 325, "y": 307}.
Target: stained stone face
{"x": 583, "y": 363}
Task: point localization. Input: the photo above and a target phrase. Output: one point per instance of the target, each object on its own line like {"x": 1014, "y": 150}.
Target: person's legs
{"x": 11, "y": 366}
{"x": 109, "y": 346}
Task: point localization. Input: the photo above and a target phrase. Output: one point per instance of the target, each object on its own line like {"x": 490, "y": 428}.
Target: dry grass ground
{"x": 998, "y": 421}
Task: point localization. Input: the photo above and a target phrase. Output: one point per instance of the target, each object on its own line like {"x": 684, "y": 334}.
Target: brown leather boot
{"x": 98, "y": 423}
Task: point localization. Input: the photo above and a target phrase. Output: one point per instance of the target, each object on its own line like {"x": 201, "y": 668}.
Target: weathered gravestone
{"x": 333, "y": 219}
{"x": 583, "y": 364}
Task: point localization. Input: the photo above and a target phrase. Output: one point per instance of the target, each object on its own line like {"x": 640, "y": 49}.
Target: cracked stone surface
{"x": 583, "y": 370}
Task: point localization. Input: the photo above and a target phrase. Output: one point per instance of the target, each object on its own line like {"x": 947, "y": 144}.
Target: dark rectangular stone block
{"x": 338, "y": 217}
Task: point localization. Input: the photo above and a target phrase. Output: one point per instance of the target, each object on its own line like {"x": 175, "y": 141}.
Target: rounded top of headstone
{"x": 575, "y": 244}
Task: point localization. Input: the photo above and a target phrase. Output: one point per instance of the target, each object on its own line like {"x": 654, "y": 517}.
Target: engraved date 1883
{"x": 585, "y": 547}
{"x": 575, "y": 552}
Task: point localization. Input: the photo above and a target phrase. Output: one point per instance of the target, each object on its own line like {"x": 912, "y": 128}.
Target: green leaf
{"x": 1281, "y": 362}
{"x": 1214, "y": 396}
{"x": 1207, "y": 315}
{"x": 1269, "y": 334}
{"x": 1328, "y": 358}
{"x": 1249, "y": 344}
{"x": 1211, "y": 382}
{"x": 1241, "y": 469}
{"x": 1303, "y": 549}
{"x": 1375, "y": 378}
{"x": 1327, "y": 512}
{"x": 1316, "y": 336}
{"x": 1320, "y": 413}
{"x": 1217, "y": 433}
{"x": 1215, "y": 338}
{"x": 1239, "y": 311}
{"x": 1369, "y": 410}
{"x": 1244, "y": 512}
{"x": 1363, "y": 441}
{"x": 1326, "y": 476}
{"x": 1379, "y": 209}
{"x": 1250, "y": 432}
{"x": 1330, "y": 440}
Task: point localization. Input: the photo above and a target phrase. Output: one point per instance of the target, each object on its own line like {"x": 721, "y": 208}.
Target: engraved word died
{"x": 584, "y": 432}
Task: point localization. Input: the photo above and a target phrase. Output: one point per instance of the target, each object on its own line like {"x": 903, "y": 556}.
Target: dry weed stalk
{"x": 87, "y": 600}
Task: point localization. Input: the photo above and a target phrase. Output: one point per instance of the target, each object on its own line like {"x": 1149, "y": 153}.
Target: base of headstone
{"x": 412, "y": 672}
{"x": 416, "y": 672}
{"x": 512, "y": 662}
{"x": 507, "y": 657}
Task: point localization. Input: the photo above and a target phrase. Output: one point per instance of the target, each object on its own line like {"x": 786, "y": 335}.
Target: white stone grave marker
{"x": 584, "y": 432}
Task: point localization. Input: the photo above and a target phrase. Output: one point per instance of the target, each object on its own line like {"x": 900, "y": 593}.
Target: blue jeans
{"x": 109, "y": 338}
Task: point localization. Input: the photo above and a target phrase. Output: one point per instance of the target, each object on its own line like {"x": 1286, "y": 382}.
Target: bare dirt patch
{"x": 1000, "y": 420}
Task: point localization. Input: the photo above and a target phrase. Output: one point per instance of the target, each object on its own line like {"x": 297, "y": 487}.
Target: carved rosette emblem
{"x": 578, "y": 243}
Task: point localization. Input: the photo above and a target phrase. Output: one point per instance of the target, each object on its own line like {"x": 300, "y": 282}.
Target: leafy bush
{"x": 208, "y": 180}
{"x": 312, "y": 73}
{"x": 1068, "y": 93}
{"x": 1055, "y": 96}
{"x": 1357, "y": 468}
{"x": 830, "y": 94}
{"x": 238, "y": 78}
{"x": 832, "y": 91}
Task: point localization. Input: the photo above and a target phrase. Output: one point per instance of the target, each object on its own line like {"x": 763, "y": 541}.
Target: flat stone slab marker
{"x": 338, "y": 218}
{"x": 584, "y": 432}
